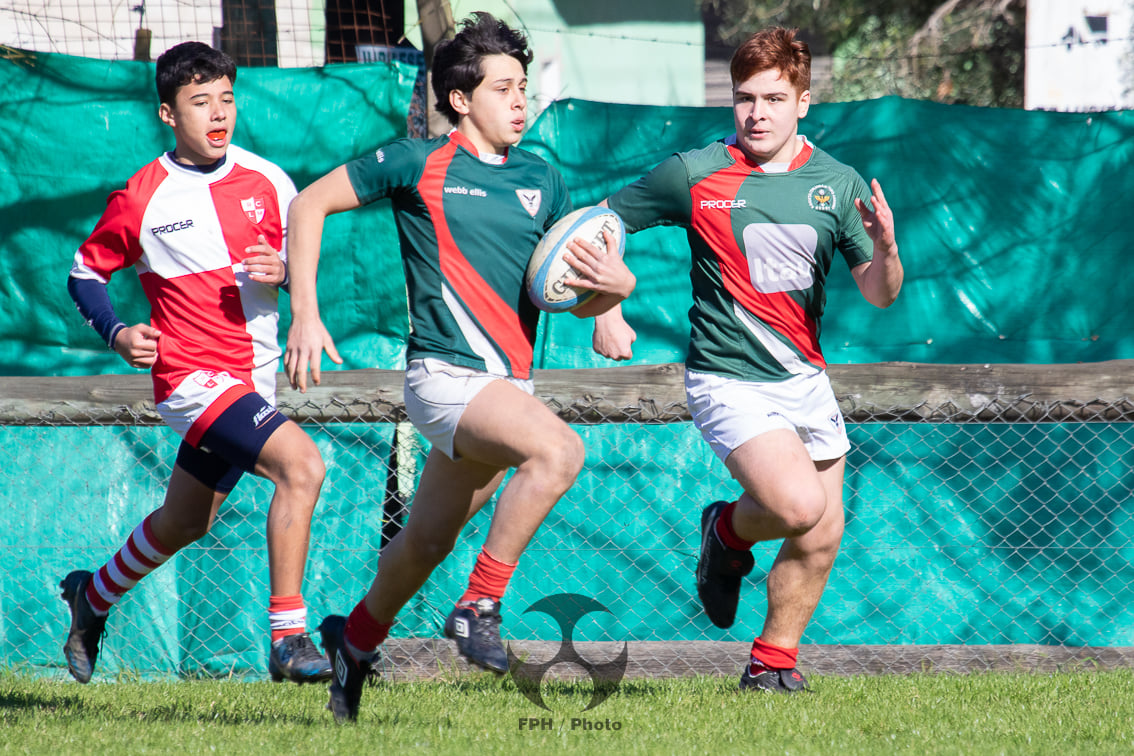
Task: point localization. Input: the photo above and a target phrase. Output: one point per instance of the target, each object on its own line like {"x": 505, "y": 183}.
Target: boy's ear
{"x": 459, "y": 102}
{"x": 804, "y": 103}
{"x": 165, "y": 113}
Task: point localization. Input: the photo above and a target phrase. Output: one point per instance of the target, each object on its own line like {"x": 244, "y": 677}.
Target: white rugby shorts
{"x": 203, "y": 395}
{"x": 437, "y": 393}
{"x": 729, "y": 412}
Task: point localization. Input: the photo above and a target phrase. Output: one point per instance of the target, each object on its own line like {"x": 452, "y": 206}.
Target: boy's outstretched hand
{"x": 879, "y": 222}
{"x": 306, "y": 342}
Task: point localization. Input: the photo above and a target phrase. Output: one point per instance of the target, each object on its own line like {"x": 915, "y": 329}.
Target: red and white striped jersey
{"x": 185, "y": 231}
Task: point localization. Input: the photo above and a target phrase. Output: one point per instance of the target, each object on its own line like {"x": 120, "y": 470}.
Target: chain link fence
{"x": 987, "y": 529}
{"x": 284, "y": 33}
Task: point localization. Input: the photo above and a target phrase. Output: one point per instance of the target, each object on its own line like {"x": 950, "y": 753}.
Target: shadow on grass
{"x": 52, "y": 700}
{"x": 20, "y": 700}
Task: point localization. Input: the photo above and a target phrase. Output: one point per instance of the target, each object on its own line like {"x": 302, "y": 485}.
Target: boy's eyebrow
{"x": 778, "y": 93}
{"x": 227, "y": 92}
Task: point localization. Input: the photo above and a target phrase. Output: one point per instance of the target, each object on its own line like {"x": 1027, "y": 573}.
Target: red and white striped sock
{"x": 142, "y": 554}
{"x": 287, "y": 615}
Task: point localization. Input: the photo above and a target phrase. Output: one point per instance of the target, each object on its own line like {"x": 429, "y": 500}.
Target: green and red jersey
{"x": 467, "y": 230}
{"x": 762, "y": 246}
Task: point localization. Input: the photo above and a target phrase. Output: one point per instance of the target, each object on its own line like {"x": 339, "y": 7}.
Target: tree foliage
{"x": 954, "y": 51}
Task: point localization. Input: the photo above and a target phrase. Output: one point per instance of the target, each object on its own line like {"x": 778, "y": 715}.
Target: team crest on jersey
{"x": 821, "y": 197}
{"x": 253, "y": 207}
{"x": 206, "y": 378}
{"x": 530, "y": 199}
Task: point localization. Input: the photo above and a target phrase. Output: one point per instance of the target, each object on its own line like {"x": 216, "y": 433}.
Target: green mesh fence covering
{"x": 957, "y": 534}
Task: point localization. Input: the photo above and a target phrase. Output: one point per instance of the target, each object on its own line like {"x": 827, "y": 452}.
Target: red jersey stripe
{"x": 777, "y": 309}
{"x": 503, "y": 324}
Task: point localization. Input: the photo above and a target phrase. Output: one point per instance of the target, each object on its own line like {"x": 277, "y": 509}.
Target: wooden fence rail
{"x": 874, "y": 392}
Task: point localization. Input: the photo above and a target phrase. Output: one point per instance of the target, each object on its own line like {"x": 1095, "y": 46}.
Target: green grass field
{"x": 1062, "y": 713}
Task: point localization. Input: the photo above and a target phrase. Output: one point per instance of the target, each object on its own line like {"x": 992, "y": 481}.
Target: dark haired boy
{"x": 204, "y": 225}
{"x": 766, "y": 212}
{"x": 470, "y": 208}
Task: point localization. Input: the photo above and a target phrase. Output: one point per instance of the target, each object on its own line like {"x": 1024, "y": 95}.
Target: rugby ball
{"x": 547, "y": 269}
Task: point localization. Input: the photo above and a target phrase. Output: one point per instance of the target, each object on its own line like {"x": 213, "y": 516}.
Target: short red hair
{"x": 773, "y": 49}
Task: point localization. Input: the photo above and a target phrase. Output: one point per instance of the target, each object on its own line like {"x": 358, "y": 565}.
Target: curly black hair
{"x": 190, "y": 62}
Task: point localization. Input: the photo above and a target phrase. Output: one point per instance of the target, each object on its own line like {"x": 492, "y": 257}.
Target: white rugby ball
{"x": 547, "y": 269}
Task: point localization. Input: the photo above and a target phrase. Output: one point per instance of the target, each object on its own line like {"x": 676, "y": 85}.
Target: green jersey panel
{"x": 467, "y": 230}
{"x": 762, "y": 246}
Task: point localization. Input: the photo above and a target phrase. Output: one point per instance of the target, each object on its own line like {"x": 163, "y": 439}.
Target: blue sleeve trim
{"x": 93, "y": 301}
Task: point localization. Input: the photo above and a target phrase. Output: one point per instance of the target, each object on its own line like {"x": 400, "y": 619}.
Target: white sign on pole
{"x": 1079, "y": 55}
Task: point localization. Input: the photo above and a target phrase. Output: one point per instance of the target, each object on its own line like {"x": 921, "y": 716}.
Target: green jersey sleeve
{"x": 661, "y": 197}
{"x": 561, "y": 199}
{"x": 386, "y": 171}
{"x": 854, "y": 243}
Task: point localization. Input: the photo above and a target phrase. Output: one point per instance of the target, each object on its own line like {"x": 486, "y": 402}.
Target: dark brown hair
{"x": 458, "y": 63}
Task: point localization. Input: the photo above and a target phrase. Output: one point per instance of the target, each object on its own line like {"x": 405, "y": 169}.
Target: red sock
{"x": 287, "y": 615}
{"x": 363, "y": 632}
{"x": 725, "y": 532}
{"x": 489, "y": 578}
{"x": 774, "y": 657}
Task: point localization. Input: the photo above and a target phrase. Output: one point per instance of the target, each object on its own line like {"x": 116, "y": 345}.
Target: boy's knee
{"x": 312, "y": 470}
{"x": 803, "y": 514}
{"x": 304, "y": 473}
{"x": 194, "y": 533}
{"x": 565, "y": 455}
{"x": 573, "y": 455}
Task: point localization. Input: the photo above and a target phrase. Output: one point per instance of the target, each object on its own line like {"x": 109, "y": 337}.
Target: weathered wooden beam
{"x": 431, "y": 658}
{"x": 875, "y": 392}
{"x": 914, "y": 392}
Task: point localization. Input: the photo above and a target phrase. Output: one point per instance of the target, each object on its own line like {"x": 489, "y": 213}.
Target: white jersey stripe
{"x": 479, "y": 343}
{"x": 784, "y": 355}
